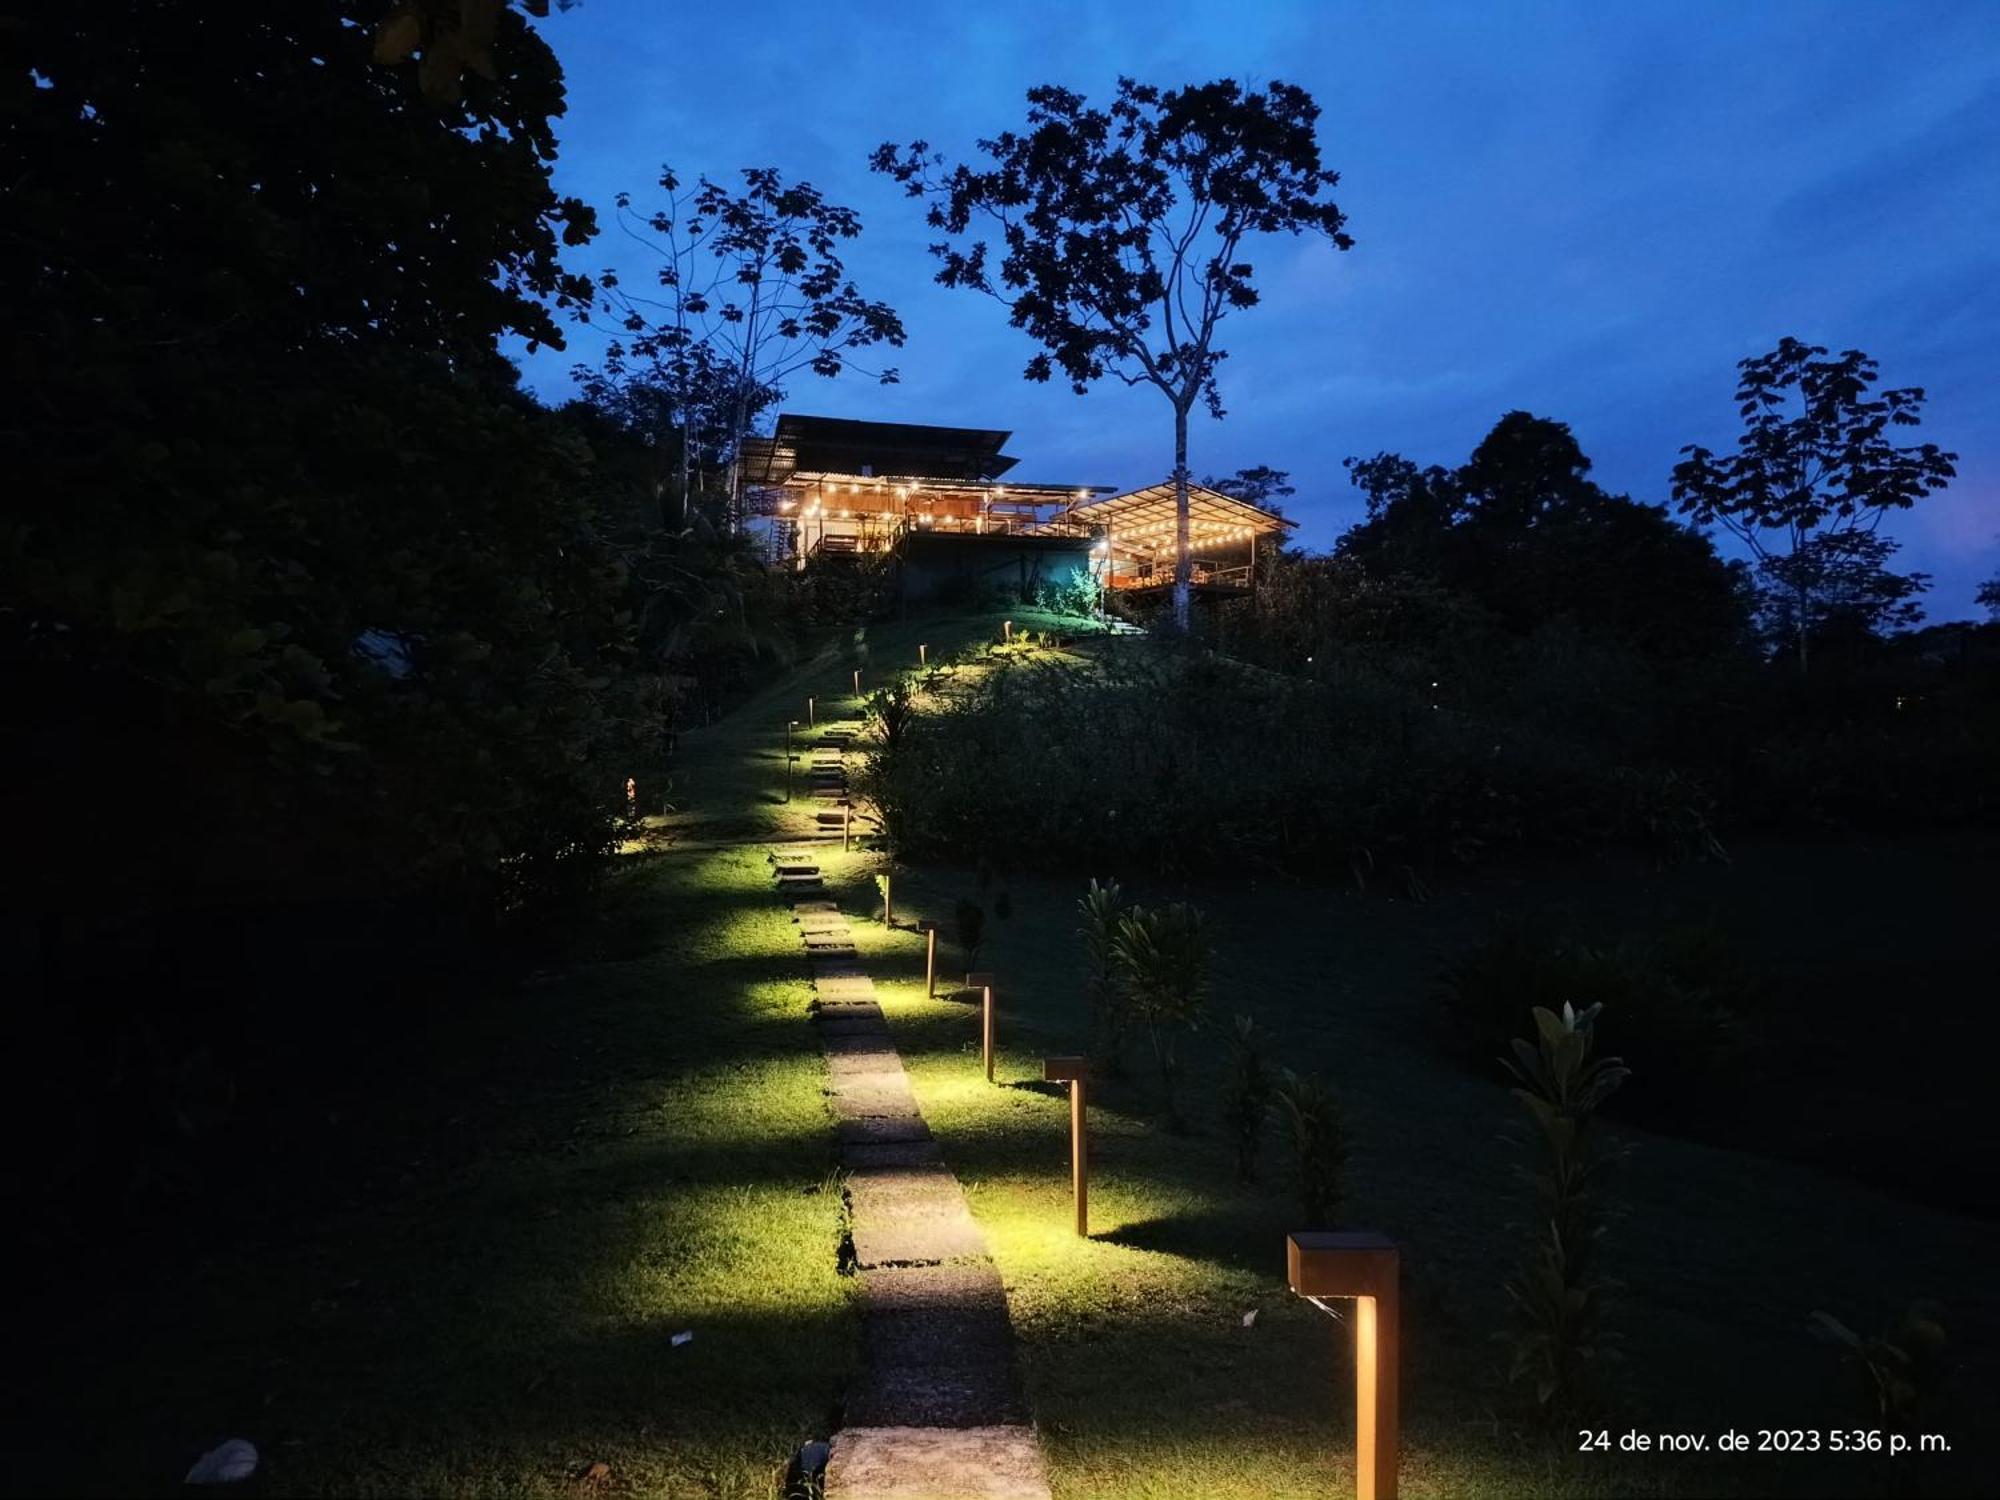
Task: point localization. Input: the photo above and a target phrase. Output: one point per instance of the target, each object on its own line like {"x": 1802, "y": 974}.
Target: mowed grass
{"x": 633, "y": 1145}
{"x": 1146, "y": 1380}
{"x": 1145, "y": 1376}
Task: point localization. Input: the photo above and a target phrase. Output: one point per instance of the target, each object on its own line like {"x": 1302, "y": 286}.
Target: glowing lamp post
{"x": 923, "y": 656}
{"x": 1363, "y": 1267}
{"x": 888, "y": 910}
{"x": 790, "y": 725}
{"x": 857, "y": 682}
{"x": 846, "y": 825}
{"x": 930, "y": 959}
{"x": 1073, "y": 1071}
{"x": 983, "y": 982}
{"x": 812, "y": 716}
{"x": 1007, "y": 631}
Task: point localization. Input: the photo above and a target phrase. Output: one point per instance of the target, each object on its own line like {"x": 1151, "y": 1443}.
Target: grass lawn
{"x": 479, "y": 1295}
{"x": 463, "y": 1275}
{"x": 1144, "y": 1376}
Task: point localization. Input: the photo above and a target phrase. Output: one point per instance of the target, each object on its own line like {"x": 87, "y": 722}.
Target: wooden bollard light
{"x": 983, "y": 982}
{"x": 857, "y": 682}
{"x": 1073, "y": 1071}
{"x": 923, "y": 656}
{"x": 812, "y": 714}
{"x": 790, "y": 725}
{"x": 846, "y": 824}
{"x": 1365, "y": 1268}
{"x": 888, "y": 909}
{"x": 930, "y": 959}
{"x": 1007, "y": 631}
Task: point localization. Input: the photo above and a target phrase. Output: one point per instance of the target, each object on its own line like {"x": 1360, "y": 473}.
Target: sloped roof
{"x": 1138, "y": 515}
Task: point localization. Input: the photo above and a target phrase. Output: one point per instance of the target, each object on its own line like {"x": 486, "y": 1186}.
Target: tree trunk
{"x": 1183, "y": 563}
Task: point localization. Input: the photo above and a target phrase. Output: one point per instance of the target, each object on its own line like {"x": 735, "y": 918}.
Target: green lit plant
{"x": 1246, "y": 1095}
{"x": 1101, "y": 909}
{"x": 1558, "y": 1294}
{"x": 969, "y": 923}
{"x": 894, "y": 709}
{"x": 1900, "y": 1366}
{"x": 1162, "y": 957}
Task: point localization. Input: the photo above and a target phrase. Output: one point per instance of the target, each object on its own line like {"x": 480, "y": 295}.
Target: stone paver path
{"x": 937, "y": 1411}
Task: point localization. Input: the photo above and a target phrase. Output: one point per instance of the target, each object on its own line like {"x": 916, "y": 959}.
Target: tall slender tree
{"x": 751, "y": 284}
{"x": 1814, "y": 472}
{"x": 1123, "y": 232}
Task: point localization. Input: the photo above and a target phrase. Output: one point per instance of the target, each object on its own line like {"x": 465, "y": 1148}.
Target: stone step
{"x": 881, "y": 1130}
{"x": 892, "y": 1154}
{"x": 917, "y": 1239}
{"x": 996, "y": 1462}
{"x": 869, "y": 1096}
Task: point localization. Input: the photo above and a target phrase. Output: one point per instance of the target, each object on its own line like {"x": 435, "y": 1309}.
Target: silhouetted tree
{"x": 1523, "y": 531}
{"x": 1123, "y": 229}
{"x": 1261, "y": 486}
{"x": 751, "y": 291}
{"x": 1813, "y": 470}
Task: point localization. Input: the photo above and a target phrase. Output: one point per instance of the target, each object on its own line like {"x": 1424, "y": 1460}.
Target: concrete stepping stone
{"x": 833, "y": 987}
{"x": 874, "y": 1095}
{"x": 892, "y": 1154}
{"x": 916, "y": 1239}
{"x": 880, "y": 1060}
{"x": 994, "y": 1462}
{"x": 881, "y": 1130}
{"x": 934, "y": 1395}
{"x": 853, "y": 1026}
{"x": 808, "y": 908}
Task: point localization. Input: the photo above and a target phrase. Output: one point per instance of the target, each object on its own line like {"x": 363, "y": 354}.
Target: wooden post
{"x": 1007, "y": 631}
{"x": 857, "y": 682}
{"x": 923, "y": 656}
{"x": 930, "y": 959}
{"x": 846, "y": 823}
{"x": 986, "y": 1027}
{"x": 1364, "y": 1267}
{"x": 1075, "y": 1071}
{"x": 790, "y": 725}
{"x": 888, "y": 910}
{"x": 812, "y": 716}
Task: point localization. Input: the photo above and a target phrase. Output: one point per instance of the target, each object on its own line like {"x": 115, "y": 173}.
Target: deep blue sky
{"x": 1590, "y": 211}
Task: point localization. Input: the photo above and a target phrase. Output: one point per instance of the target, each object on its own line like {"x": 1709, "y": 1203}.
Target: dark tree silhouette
{"x": 1261, "y": 486}
{"x": 750, "y": 292}
{"x": 1813, "y": 472}
{"x": 1123, "y": 230}
{"x": 1522, "y": 530}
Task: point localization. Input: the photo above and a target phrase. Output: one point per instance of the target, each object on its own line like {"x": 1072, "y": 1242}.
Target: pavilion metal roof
{"x": 1149, "y": 512}
{"x": 806, "y": 445}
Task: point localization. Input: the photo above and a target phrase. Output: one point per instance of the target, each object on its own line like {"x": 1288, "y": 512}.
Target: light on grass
{"x": 1364, "y": 1268}
{"x": 1073, "y": 1071}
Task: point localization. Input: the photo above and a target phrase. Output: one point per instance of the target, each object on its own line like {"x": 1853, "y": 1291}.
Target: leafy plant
{"x": 1317, "y": 1130}
{"x": 1558, "y": 1294}
{"x": 1900, "y": 1366}
{"x": 1246, "y": 1095}
{"x": 1101, "y": 910}
{"x": 1162, "y": 957}
{"x": 893, "y": 709}
{"x": 969, "y": 922}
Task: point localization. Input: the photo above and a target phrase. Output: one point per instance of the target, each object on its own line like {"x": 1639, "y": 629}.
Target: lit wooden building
{"x": 1138, "y": 532}
{"x": 941, "y": 501}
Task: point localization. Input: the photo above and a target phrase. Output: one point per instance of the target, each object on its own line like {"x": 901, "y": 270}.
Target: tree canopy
{"x": 1124, "y": 232}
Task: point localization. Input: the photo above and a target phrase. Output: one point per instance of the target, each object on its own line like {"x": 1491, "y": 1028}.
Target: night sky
{"x": 1588, "y": 211}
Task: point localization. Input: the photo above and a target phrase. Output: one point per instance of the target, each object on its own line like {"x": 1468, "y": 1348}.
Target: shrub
{"x": 1316, "y": 1128}
{"x": 1678, "y": 999}
{"x": 969, "y": 920}
{"x": 1557, "y": 1294}
{"x": 1100, "y": 911}
{"x": 1246, "y": 1096}
{"x": 1900, "y": 1367}
{"x": 1162, "y": 956}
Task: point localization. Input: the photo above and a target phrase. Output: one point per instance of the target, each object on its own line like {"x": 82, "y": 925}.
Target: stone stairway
{"x": 937, "y": 1411}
